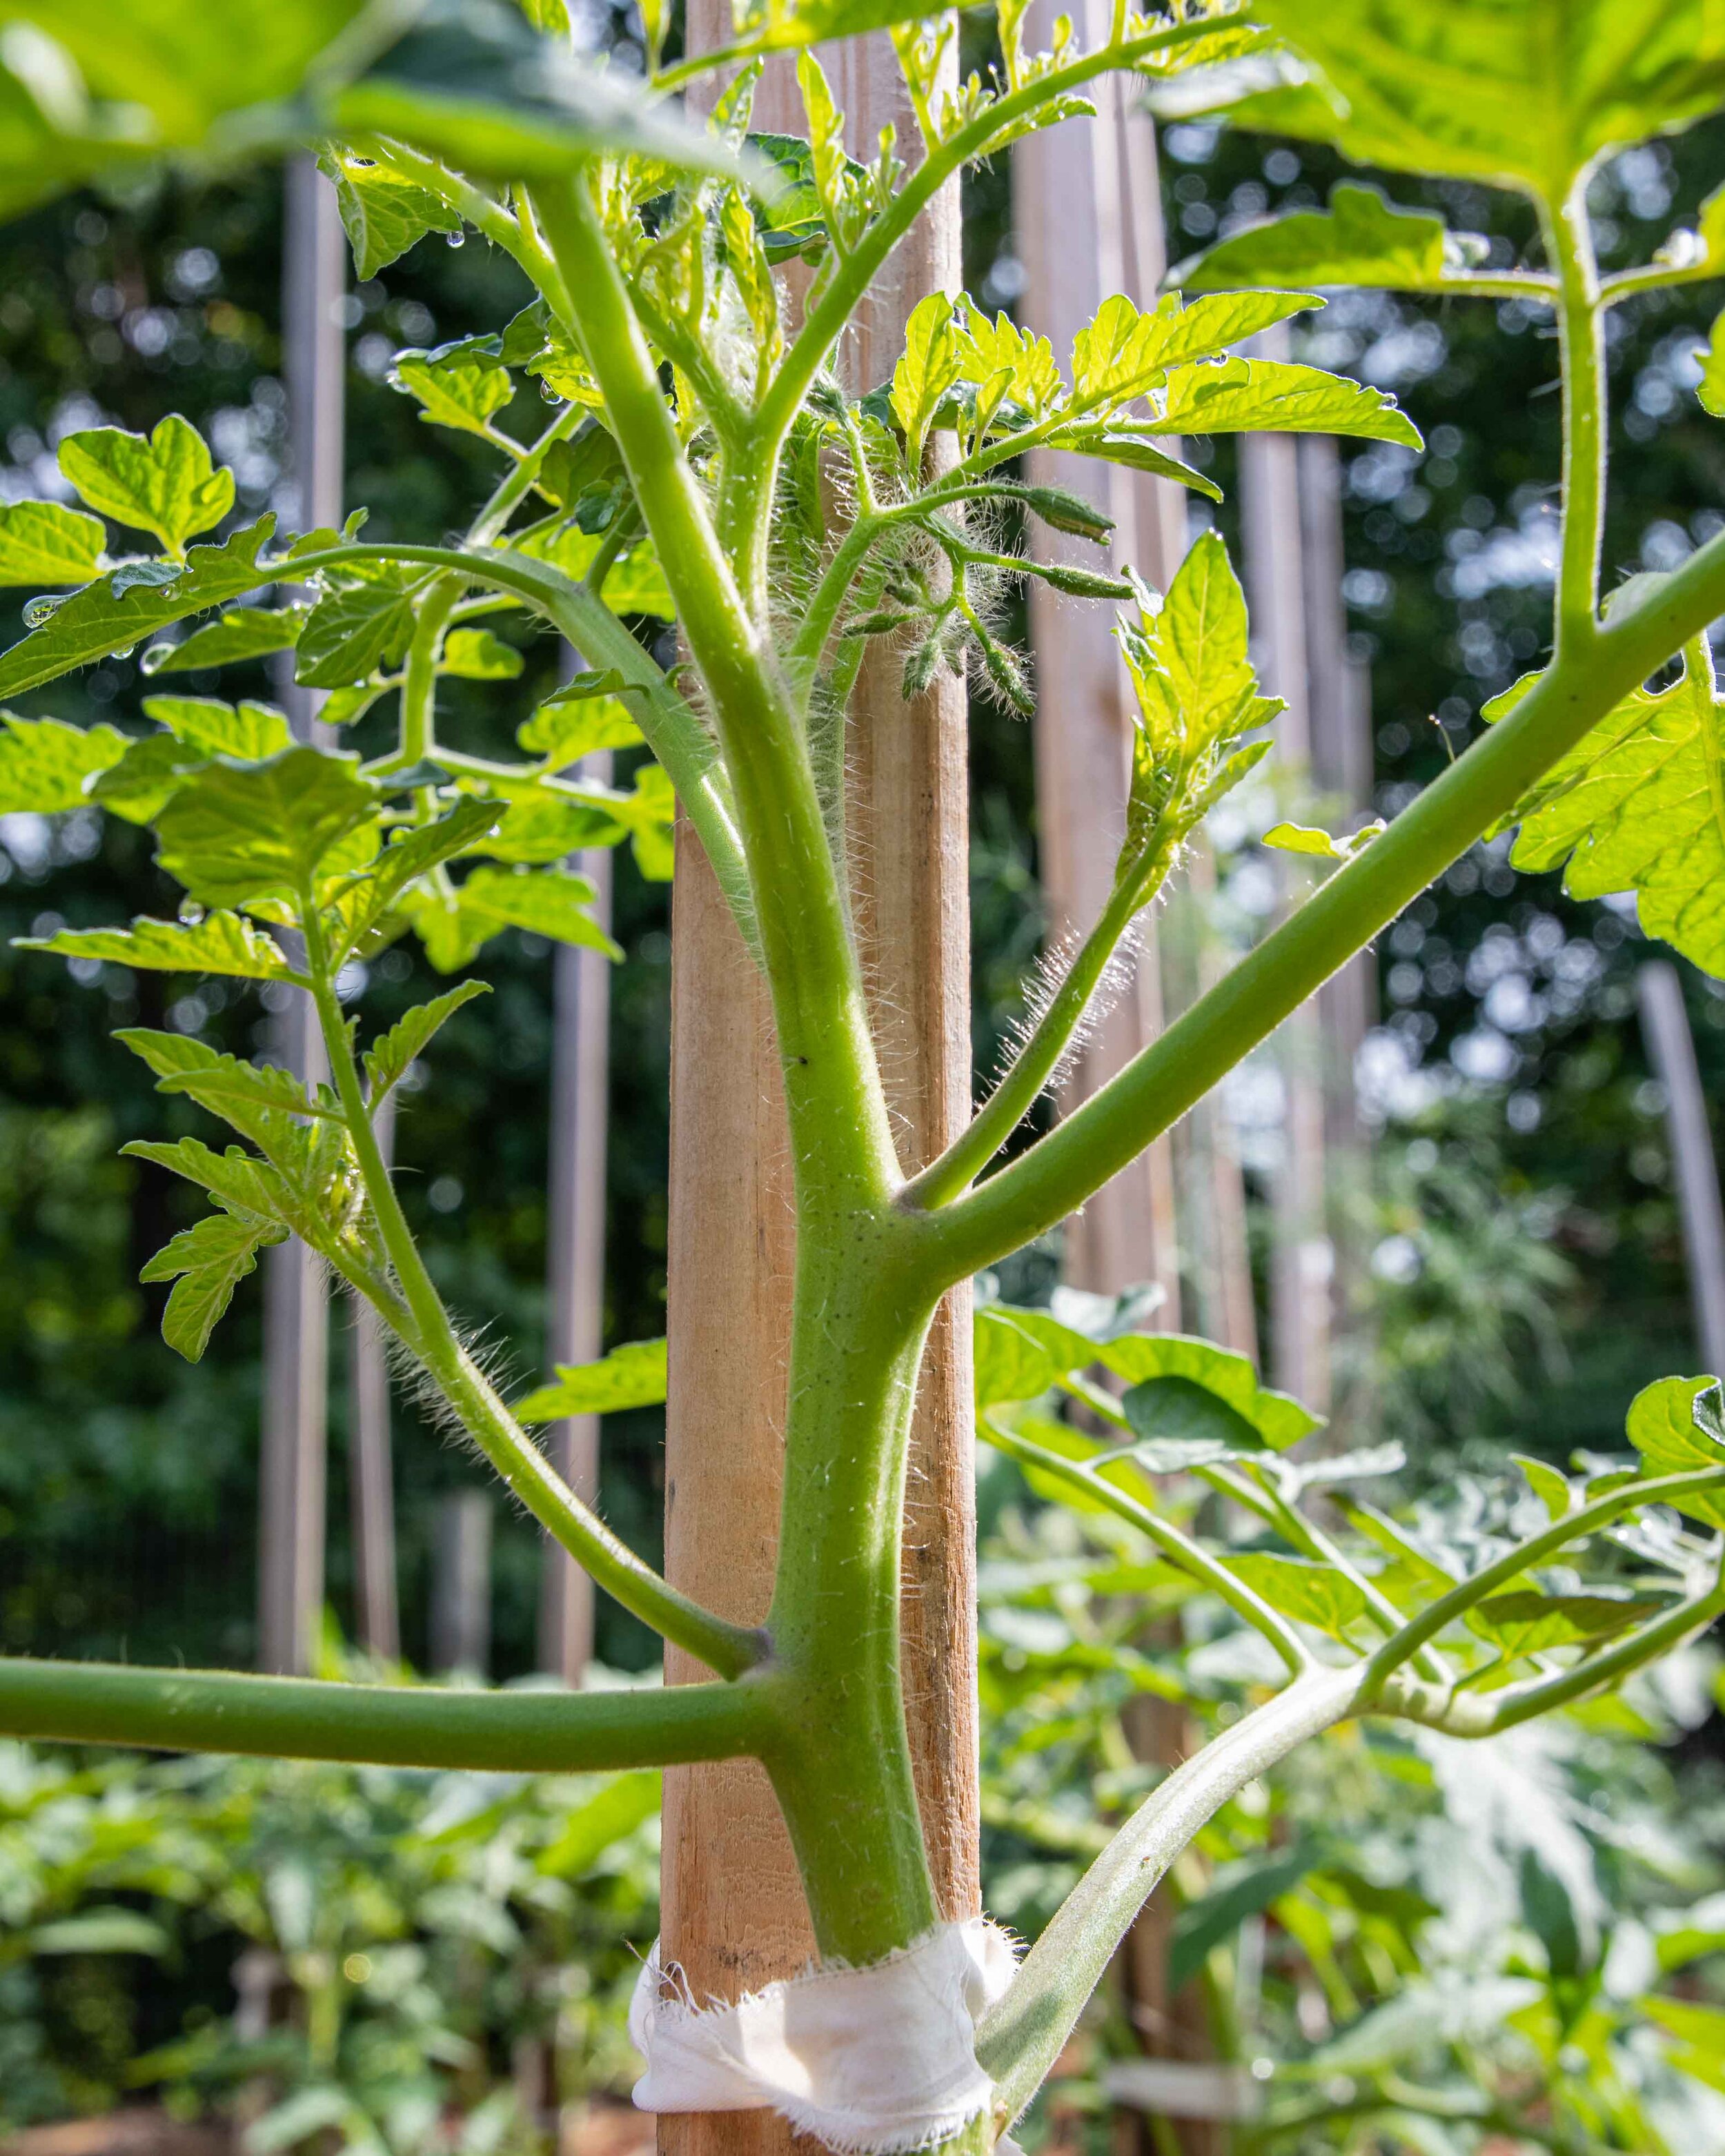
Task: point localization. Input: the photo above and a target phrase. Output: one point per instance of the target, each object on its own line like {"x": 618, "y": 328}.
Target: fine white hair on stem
{"x": 1044, "y": 984}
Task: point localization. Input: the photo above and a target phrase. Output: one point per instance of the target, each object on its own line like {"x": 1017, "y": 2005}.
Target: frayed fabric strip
{"x": 874, "y": 2061}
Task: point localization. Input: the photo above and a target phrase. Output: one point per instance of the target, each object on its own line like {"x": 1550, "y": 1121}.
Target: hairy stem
{"x": 1053, "y": 1178}
{"x": 1581, "y": 330}
{"x": 729, "y": 1649}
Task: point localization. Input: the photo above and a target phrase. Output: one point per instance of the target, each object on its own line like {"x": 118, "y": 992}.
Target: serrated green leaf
{"x": 565, "y": 729}
{"x": 1245, "y": 395}
{"x": 1548, "y": 1483}
{"x": 1319, "y": 845}
{"x": 540, "y": 826}
{"x": 472, "y": 83}
{"x": 44, "y": 763}
{"x": 1639, "y": 805}
{"x": 382, "y": 212}
{"x": 1117, "y": 445}
{"x": 634, "y": 583}
{"x": 408, "y": 855}
{"x": 389, "y": 1055}
{"x": 244, "y": 633}
{"x": 631, "y": 1376}
{"x": 1122, "y": 353}
{"x": 185, "y": 1064}
{"x": 233, "y": 1177}
{"x": 1529, "y": 1622}
{"x": 1678, "y": 1426}
{"x": 934, "y": 360}
{"x": 112, "y": 614}
{"x": 45, "y": 544}
{"x": 1528, "y": 95}
{"x": 998, "y": 345}
{"x": 220, "y": 944}
{"x": 1311, "y": 1594}
{"x": 206, "y": 1264}
{"x": 459, "y": 385}
{"x": 165, "y": 483}
{"x": 1181, "y": 1424}
{"x": 248, "y": 732}
{"x": 232, "y": 833}
{"x": 476, "y": 654}
{"x": 363, "y": 621}
{"x": 147, "y": 778}
{"x": 544, "y": 901}
{"x": 1360, "y": 240}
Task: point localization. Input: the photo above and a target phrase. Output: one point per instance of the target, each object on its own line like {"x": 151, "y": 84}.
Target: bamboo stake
{"x": 575, "y": 1319}
{"x": 1088, "y": 218}
{"x": 1670, "y": 1049}
{"x": 1086, "y": 214}
{"x": 732, "y": 1909}
{"x": 1303, "y": 1261}
{"x": 370, "y": 1466}
{"x": 293, "y": 1465}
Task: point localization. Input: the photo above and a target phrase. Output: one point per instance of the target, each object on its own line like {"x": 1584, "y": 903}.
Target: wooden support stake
{"x": 370, "y": 1463}
{"x": 1670, "y": 1049}
{"x": 461, "y": 1584}
{"x": 580, "y": 1105}
{"x": 732, "y": 1909}
{"x": 293, "y": 1467}
{"x": 1303, "y": 1261}
{"x": 1087, "y": 217}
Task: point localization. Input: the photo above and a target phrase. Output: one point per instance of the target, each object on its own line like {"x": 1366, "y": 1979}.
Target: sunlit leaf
{"x": 230, "y": 833}
{"x": 244, "y": 633}
{"x": 220, "y": 943}
{"x": 458, "y": 385}
{"x": 1529, "y": 1622}
{"x": 631, "y": 1376}
{"x": 165, "y": 482}
{"x": 384, "y": 211}
{"x": 388, "y": 1056}
{"x": 44, "y": 763}
{"x": 1678, "y": 1426}
{"x": 248, "y": 732}
{"x": 206, "y": 1264}
{"x": 1360, "y": 240}
{"x": 364, "y": 621}
{"x": 1639, "y": 804}
{"x": 476, "y": 654}
{"x": 1311, "y": 1594}
{"x": 45, "y": 544}
{"x": 545, "y": 902}
{"x": 1239, "y": 395}
{"x": 113, "y": 614}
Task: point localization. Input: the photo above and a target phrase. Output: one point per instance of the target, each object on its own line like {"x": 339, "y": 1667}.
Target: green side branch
{"x": 1055, "y": 1176}
{"x": 383, "y": 1725}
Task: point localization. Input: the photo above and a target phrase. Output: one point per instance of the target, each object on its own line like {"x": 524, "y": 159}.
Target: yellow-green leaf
{"x": 44, "y": 542}
{"x": 165, "y": 482}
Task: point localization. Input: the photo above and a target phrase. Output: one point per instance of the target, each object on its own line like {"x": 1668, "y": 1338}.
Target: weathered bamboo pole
{"x": 1670, "y": 1049}
{"x": 293, "y": 1467}
{"x": 580, "y": 1070}
{"x": 371, "y": 1476}
{"x": 732, "y": 1913}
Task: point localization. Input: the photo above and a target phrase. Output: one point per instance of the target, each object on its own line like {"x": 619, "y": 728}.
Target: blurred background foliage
{"x": 436, "y": 1952}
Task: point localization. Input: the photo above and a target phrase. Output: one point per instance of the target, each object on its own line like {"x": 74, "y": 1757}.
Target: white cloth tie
{"x": 872, "y": 2061}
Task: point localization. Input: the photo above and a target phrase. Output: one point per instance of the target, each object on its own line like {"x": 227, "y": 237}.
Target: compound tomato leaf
{"x": 384, "y": 211}
{"x": 165, "y": 482}
{"x": 220, "y": 944}
{"x": 45, "y": 765}
{"x": 45, "y": 544}
{"x": 243, "y": 633}
{"x": 120, "y": 610}
{"x": 206, "y": 1264}
{"x": 387, "y": 1058}
{"x": 248, "y": 731}
{"x": 235, "y": 833}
